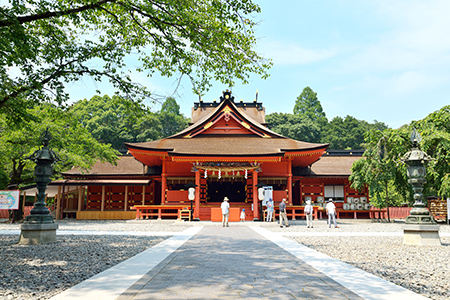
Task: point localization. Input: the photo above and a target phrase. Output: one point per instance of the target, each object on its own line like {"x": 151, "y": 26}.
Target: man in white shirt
{"x": 309, "y": 214}
{"x": 331, "y": 212}
{"x": 225, "y": 206}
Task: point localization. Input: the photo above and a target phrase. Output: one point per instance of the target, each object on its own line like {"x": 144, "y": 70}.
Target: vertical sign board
{"x": 9, "y": 199}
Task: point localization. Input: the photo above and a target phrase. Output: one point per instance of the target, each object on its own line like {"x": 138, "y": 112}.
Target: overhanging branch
{"x": 51, "y": 14}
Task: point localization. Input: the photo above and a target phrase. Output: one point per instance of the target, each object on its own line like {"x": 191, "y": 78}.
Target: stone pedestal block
{"x": 32, "y": 234}
{"x": 421, "y": 235}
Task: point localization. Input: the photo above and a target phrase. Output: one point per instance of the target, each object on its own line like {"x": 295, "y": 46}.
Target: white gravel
{"x": 41, "y": 271}
{"x": 422, "y": 269}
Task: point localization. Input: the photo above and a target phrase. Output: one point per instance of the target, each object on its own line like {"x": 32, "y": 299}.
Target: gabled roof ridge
{"x": 205, "y": 119}
{"x": 199, "y": 122}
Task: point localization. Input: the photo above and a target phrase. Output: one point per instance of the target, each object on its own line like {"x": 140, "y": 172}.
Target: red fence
{"x": 399, "y": 212}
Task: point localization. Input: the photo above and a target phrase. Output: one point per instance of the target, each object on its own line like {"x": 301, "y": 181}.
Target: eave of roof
{"x": 333, "y": 166}
{"x": 225, "y": 146}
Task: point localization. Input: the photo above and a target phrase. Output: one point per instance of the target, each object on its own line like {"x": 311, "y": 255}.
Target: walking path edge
{"x": 366, "y": 285}
{"x": 125, "y": 274}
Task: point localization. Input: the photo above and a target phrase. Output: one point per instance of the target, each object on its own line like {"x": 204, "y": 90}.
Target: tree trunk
{"x": 387, "y": 202}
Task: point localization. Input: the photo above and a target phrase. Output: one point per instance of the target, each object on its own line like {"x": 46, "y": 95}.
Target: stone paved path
{"x": 233, "y": 263}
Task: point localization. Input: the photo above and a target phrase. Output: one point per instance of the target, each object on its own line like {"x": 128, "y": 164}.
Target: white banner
{"x": 448, "y": 211}
{"x": 268, "y": 193}
{"x": 9, "y": 199}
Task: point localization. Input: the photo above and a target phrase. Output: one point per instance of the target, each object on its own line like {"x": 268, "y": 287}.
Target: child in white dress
{"x": 243, "y": 215}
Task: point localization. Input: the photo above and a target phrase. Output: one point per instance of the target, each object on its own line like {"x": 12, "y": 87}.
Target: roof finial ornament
{"x": 256, "y": 97}
{"x": 226, "y": 95}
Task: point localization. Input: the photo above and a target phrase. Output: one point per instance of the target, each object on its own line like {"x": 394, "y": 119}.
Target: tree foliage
{"x": 435, "y": 132}
{"x": 341, "y": 133}
{"x": 308, "y": 105}
{"x": 348, "y": 133}
{"x": 114, "y": 120}
{"x": 380, "y": 169}
{"x": 170, "y": 118}
{"x": 72, "y": 142}
{"x": 296, "y": 127}
{"x": 386, "y": 171}
{"x": 46, "y": 44}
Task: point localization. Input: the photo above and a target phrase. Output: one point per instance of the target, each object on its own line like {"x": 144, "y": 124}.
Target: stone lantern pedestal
{"x": 421, "y": 235}
{"x": 420, "y": 228}
{"x": 32, "y": 234}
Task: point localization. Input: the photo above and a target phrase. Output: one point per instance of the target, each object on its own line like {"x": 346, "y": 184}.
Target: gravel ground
{"x": 422, "y": 269}
{"x": 113, "y": 225}
{"x": 42, "y": 271}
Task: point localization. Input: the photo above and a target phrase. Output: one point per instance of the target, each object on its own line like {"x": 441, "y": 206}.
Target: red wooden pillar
{"x": 197, "y": 195}
{"x": 163, "y": 182}
{"x": 255, "y": 196}
{"x": 290, "y": 182}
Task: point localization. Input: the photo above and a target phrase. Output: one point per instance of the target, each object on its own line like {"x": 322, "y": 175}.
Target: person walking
{"x": 225, "y": 206}
{"x": 331, "y": 212}
{"x": 283, "y": 213}
{"x": 269, "y": 210}
{"x": 309, "y": 214}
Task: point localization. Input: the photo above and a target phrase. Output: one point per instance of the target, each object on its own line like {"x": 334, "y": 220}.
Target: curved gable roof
{"x": 226, "y": 108}
{"x": 227, "y": 132}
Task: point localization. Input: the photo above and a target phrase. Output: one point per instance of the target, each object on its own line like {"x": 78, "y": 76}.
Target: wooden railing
{"x": 157, "y": 211}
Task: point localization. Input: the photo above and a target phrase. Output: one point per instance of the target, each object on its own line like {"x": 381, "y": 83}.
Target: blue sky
{"x": 374, "y": 60}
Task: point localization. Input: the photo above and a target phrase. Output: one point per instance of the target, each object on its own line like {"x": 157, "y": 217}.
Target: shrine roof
{"x": 126, "y": 165}
{"x": 240, "y": 145}
{"x": 226, "y": 131}
{"x": 329, "y": 165}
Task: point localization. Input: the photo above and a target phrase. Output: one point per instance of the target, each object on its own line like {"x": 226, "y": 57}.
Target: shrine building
{"x": 227, "y": 151}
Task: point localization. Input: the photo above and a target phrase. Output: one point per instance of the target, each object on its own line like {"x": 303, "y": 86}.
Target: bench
{"x": 157, "y": 211}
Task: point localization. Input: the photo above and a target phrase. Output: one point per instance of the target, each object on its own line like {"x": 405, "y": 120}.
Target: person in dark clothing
{"x": 283, "y": 213}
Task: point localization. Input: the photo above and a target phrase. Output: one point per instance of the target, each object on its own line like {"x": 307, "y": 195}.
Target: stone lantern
{"x": 39, "y": 227}
{"x": 420, "y": 228}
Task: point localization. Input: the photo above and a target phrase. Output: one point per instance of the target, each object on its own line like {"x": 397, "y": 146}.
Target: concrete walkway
{"x": 231, "y": 263}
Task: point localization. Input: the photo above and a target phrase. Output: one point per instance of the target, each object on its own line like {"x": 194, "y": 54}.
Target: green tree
{"x": 308, "y": 105}
{"x": 345, "y": 133}
{"x": 172, "y": 121}
{"x": 297, "y": 127}
{"x": 348, "y": 133}
{"x": 435, "y": 132}
{"x": 379, "y": 168}
{"x": 72, "y": 143}
{"x": 46, "y": 44}
{"x": 116, "y": 120}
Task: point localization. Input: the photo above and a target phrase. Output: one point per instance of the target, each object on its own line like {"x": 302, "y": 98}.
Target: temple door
{"x": 249, "y": 188}
{"x": 203, "y": 189}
